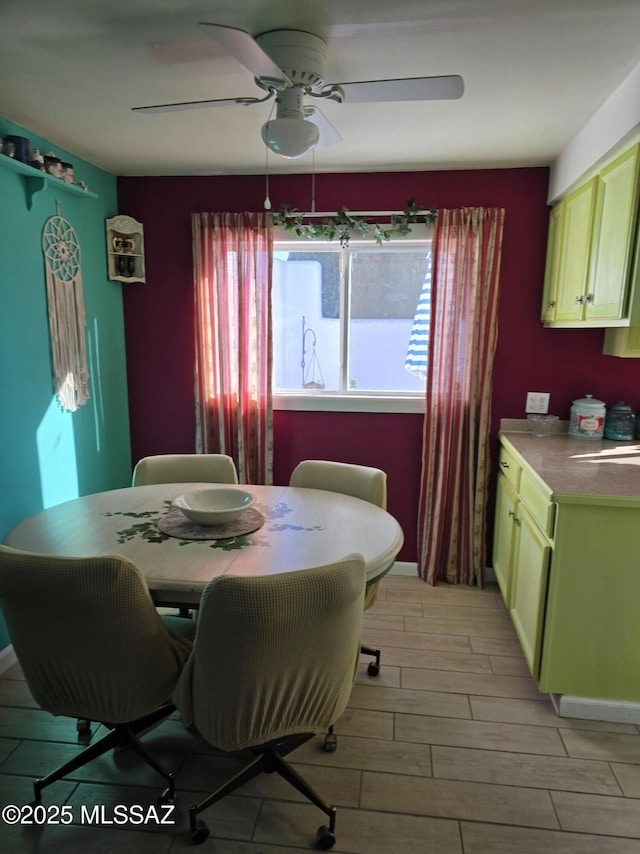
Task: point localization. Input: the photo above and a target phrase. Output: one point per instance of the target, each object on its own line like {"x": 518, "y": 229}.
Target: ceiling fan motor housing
{"x": 302, "y": 56}
{"x": 290, "y": 103}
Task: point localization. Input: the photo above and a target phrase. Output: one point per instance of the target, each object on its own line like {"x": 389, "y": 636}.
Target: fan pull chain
{"x": 267, "y": 200}
{"x": 313, "y": 180}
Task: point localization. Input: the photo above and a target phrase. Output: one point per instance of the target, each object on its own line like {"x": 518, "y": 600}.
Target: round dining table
{"x": 286, "y": 529}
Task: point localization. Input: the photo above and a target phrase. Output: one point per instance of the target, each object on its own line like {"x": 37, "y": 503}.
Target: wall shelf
{"x": 125, "y": 249}
{"x": 35, "y": 181}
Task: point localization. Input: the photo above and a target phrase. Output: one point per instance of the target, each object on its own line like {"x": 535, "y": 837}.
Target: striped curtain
{"x": 232, "y": 254}
{"x": 464, "y": 301}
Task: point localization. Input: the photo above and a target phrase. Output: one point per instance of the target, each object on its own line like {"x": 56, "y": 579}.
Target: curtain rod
{"x": 354, "y": 213}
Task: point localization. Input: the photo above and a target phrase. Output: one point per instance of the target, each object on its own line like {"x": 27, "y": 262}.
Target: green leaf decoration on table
{"x": 344, "y": 224}
{"x": 145, "y": 514}
{"x": 146, "y": 530}
{"x": 229, "y": 544}
{"x": 149, "y": 531}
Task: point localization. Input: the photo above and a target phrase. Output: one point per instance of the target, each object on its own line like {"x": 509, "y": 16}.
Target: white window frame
{"x": 321, "y": 400}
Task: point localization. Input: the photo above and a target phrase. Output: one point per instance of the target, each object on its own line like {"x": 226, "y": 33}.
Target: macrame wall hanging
{"x": 66, "y": 312}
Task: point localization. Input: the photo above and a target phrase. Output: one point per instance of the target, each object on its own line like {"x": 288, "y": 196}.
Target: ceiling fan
{"x": 289, "y": 65}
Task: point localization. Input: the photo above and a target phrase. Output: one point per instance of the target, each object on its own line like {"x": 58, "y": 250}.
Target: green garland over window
{"x": 343, "y": 224}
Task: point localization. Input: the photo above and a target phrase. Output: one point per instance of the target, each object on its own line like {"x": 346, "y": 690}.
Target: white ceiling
{"x": 534, "y": 72}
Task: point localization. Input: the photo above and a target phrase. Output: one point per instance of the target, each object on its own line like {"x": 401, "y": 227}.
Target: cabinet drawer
{"x": 509, "y": 468}
{"x": 536, "y": 497}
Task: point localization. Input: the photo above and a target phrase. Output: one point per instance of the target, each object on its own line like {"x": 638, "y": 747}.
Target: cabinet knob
{"x": 504, "y": 465}
{"x": 551, "y": 303}
{"x": 588, "y": 298}
{"x": 512, "y": 515}
{"x": 579, "y": 300}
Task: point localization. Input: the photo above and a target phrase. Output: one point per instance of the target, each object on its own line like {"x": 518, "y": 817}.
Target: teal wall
{"x": 48, "y": 455}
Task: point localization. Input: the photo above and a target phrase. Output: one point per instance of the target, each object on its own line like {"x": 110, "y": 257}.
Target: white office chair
{"x": 365, "y": 482}
{"x": 273, "y": 663}
{"x": 185, "y": 468}
{"x": 92, "y": 647}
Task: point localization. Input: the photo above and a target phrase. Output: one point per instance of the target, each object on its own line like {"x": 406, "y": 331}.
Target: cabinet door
{"x": 592, "y": 630}
{"x": 614, "y": 227}
{"x": 503, "y": 536}
{"x": 575, "y": 246}
{"x": 529, "y": 593}
{"x": 552, "y": 268}
{"x": 622, "y": 342}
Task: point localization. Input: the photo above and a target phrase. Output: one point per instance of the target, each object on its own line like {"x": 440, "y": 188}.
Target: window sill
{"x": 349, "y": 403}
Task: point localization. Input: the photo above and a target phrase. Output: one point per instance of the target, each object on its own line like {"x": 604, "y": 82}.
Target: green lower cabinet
{"x": 529, "y": 594}
{"x": 503, "y": 538}
{"x": 568, "y": 566}
{"x": 592, "y": 625}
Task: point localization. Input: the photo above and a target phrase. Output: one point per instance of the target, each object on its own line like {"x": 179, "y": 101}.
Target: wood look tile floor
{"x": 450, "y": 750}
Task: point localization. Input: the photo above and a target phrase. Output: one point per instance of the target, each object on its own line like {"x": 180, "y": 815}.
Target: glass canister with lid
{"x": 620, "y": 422}
{"x": 587, "y": 418}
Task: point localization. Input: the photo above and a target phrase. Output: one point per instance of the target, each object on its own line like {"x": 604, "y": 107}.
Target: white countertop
{"x": 580, "y": 467}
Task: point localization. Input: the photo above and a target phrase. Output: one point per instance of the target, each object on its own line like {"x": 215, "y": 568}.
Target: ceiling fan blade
{"x": 195, "y": 105}
{"x": 407, "y": 89}
{"x": 328, "y": 134}
{"x": 243, "y": 47}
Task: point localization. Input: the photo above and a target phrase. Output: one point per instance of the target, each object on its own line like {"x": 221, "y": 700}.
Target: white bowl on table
{"x": 214, "y": 505}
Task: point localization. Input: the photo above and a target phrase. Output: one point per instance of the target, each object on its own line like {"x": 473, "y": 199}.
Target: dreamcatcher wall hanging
{"x": 66, "y": 312}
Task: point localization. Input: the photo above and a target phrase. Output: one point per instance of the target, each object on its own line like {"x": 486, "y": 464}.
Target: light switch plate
{"x": 538, "y": 402}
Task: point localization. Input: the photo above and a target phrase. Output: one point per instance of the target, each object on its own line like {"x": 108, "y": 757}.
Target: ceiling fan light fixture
{"x": 290, "y": 138}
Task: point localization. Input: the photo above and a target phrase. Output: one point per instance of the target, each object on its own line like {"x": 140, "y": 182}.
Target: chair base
{"x": 374, "y": 666}
{"x": 268, "y": 759}
{"x": 120, "y": 736}
{"x": 182, "y": 610}
{"x": 330, "y": 741}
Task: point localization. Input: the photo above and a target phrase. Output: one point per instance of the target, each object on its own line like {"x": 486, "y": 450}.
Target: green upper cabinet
{"x": 574, "y": 250}
{"x": 622, "y": 342}
{"x": 591, "y": 237}
{"x": 550, "y": 291}
{"x": 614, "y": 226}
{"x": 625, "y": 342}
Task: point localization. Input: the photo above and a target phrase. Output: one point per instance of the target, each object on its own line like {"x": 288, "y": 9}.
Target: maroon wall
{"x": 159, "y": 318}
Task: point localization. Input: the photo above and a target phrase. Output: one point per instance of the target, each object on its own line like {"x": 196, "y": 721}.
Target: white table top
{"x": 303, "y": 528}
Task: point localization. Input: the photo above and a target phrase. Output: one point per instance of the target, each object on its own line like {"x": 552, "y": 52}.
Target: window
{"x": 351, "y": 321}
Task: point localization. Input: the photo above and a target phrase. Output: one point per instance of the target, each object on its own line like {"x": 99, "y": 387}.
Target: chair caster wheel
{"x": 199, "y": 833}
{"x": 330, "y": 742}
{"x": 325, "y": 839}
{"x": 373, "y": 669}
{"x": 83, "y": 725}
